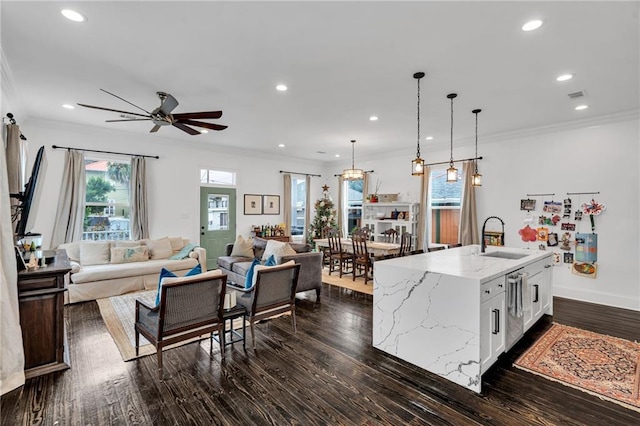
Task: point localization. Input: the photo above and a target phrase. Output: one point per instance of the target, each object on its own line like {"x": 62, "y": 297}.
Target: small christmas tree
{"x": 325, "y": 216}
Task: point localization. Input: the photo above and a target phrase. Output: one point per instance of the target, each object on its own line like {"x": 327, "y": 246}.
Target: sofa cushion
{"x": 109, "y": 271}
{"x": 127, "y": 243}
{"x": 301, "y": 247}
{"x": 242, "y": 247}
{"x": 177, "y": 243}
{"x": 95, "y": 252}
{"x": 241, "y": 268}
{"x": 160, "y": 249}
{"x": 72, "y": 249}
{"x": 259, "y": 244}
{"x": 129, "y": 254}
{"x": 165, "y": 273}
{"x": 226, "y": 262}
{"x": 277, "y": 249}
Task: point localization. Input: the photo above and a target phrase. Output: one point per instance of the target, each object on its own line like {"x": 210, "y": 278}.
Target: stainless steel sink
{"x": 505, "y": 255}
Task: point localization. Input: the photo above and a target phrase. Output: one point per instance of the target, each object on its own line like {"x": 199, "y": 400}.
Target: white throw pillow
{"x": 242, "y": 247}
{"x": 129, "y": 254}
{"x": 94, "y": 252}
{"x": 160, "y": 249}
{"x": 277, "y": 249}
{"x": 261, "y": 267}
{"x": 176, "y": 244}
{"x": 72, "y": 249}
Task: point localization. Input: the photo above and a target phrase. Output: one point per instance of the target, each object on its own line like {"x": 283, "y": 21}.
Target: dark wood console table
{"x": 41, "y": 301}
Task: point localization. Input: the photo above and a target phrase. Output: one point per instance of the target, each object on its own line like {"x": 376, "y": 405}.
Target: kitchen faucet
{"x": 483, "y": 245}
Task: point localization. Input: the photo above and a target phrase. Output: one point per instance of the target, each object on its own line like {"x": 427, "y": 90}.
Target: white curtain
{"x": 340, "y": 209}
{"x": 70, "y": 212}
{"x": 422, "y": 239}
{"x": 307, "y": 210}
{"x": 287, "y": 205}
{"x": 16, "y": 161}
{"x": 11, "y": 352}
{"x": 468, "y": 230}
{"x": 138, "y": 199}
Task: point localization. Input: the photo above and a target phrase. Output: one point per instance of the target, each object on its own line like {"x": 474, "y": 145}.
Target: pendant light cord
{"x": 451, "y": 160}
{"x": 353, "y": 153}
{"x": 418, "y": 140}
{"x": 475, "y": 162}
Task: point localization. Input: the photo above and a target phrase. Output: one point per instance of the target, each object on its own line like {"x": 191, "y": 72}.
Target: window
{"x": 107, "y": 211}
{"x": 444, "y": 203}
{"x": 217, "y": 177}
{"x": 298, "y": 205}
{"x": 353, "y": 204}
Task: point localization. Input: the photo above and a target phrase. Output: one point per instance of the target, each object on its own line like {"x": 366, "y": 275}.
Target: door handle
{"x": 496, "y": 319}
{"x": 202, "y": 227}
{"x": 202, "y": 233}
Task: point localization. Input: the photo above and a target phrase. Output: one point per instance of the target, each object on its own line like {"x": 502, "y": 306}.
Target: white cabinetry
{"x": 379, "y": 217}
{"x": 537, "y": 292}
{"x": 492, "y": 322}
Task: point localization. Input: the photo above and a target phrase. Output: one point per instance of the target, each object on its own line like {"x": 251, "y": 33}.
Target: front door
{"x": 217, "y": 221}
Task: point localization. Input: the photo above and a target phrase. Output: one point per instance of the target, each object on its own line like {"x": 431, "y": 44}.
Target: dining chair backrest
{"x": 405, "y": 243}
{"x": 359, "y": 241}
{"x": 335, "y": 245}
{"x": 390, "y": 236}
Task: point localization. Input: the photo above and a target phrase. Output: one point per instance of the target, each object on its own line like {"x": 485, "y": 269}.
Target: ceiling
{"x": 342, "y": 62}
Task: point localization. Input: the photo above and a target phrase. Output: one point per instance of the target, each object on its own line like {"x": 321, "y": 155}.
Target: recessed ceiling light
{"x": 281, "y": 88}
{"x": 74, "y": 16}
{"x": 280, "y": 145}
{"x": 204, "y": 131}
{"x": 564, "y": 77}
{"x": 429, "y": 138}
{"x": 67, "y": 106}
{"x": 532, "y": 25}
{"x": 337, "y": 155}
{"x": 373, "y": 118}
{"x": 581, "y": 107}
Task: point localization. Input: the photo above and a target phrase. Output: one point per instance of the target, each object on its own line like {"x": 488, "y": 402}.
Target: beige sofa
{"x": 110, "y": 268}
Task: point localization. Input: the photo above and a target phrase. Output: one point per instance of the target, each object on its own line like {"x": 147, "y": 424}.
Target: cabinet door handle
{"x": 536, "y": 299}
{"x": 547, "y": 266}
{"x": 496, "y": 323}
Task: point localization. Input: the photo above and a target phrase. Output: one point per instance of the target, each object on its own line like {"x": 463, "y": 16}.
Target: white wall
{"x": 601, "y": 157}
{"x": 174, "y": 190}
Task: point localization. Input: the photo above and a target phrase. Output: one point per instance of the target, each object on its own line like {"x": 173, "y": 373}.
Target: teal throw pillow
{"x": 184, "y": 252}
{"x": 249, "y": 278}
{"x": 164, "y": 273}
{"x": 271, "y": 261}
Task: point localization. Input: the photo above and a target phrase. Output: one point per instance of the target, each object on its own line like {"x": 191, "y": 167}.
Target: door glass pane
{"x": 218, "y": 212}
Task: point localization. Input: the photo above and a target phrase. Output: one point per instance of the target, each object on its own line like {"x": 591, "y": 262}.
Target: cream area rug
{"x": 118, "y": 313}
{"x": 605, "y": 366}
{"x": 347, "y": 282}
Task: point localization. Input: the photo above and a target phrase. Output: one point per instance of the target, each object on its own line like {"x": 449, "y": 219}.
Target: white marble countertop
{"x": 468, "y": 262}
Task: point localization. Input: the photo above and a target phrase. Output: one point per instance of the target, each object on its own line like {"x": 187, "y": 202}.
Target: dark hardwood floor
{"x": 328, "y": 373}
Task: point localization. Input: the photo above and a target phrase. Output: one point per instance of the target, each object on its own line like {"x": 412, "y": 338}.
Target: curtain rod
{"x": 455, "y": 161}
{"x": 364, "y": 171}
{"x": 105, "y": 152}
{"x": 13, "y": 121}
{"x": 298, "y": 173}
{"x": 541, "y": 195}
{"x": 582, "y": 193}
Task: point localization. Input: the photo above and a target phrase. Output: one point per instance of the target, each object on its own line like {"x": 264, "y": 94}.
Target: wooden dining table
{"x": 374, "y": 248}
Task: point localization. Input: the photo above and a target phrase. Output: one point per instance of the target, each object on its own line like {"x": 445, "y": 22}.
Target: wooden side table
{"x": 41, "y": 303}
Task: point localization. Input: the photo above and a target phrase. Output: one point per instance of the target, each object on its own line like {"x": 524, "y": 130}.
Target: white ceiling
{"x": 342, "y": 61}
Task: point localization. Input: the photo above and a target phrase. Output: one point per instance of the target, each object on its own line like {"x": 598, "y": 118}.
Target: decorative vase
{"x": 374, "y": 199}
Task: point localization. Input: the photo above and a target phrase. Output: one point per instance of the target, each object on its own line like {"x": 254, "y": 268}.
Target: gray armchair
{"x": 274, "y": 292}
{"x": 189, "y": 307}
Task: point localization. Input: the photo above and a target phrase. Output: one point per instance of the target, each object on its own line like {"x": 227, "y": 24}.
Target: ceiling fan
{"x": 162, "y": 116}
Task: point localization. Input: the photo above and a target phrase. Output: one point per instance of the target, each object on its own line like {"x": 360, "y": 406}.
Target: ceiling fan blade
{"x": 112, "y": 110}
{"x": 211, "y": 126}
{"x": 168, "y": 104}
{"x": 155, "y": 129}
{"x": 203, "y": 114}
{"x": 131, "y": 119}
{"x": 185, "y": 128}
{"x": 124, "y": 100}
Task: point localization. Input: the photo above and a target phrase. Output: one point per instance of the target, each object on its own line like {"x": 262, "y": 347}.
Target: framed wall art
{"x": 270, "y": 204}
{"x": 252, "y": 204}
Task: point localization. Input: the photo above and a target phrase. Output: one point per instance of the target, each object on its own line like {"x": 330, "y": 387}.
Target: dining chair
{"x": 337, "y": 255}
{"x": 189, "y": 307}
{"x": 405, "y": 244}
{"x": 274, "y": 292}
{"x": 390, "y": 236}
{"x": 361, "y": 259}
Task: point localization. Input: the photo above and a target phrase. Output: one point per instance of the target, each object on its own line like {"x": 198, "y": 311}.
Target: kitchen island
{"x": 453, "y": 312}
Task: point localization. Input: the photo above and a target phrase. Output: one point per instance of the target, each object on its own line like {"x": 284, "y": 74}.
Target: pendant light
{"x": 452, "y": 172}
{"x": 476, "y": 179}
{"x": 352, "y": 173}
{"x": 417, "y": 165}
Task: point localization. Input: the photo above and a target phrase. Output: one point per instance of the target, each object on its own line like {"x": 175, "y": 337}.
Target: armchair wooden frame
{"x": 188, "y": 308}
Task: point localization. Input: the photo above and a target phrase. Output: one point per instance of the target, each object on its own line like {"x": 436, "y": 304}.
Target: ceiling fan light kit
{"x": 417, "y": 165}
{"x": 452, "y": 172}
{"x": 353, "y": 173}
{"x": 162, "y": 116}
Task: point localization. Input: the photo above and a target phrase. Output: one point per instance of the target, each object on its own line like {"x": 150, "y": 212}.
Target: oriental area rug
{"x": 604, "y": 366}
{"x": 118, "y": 314}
